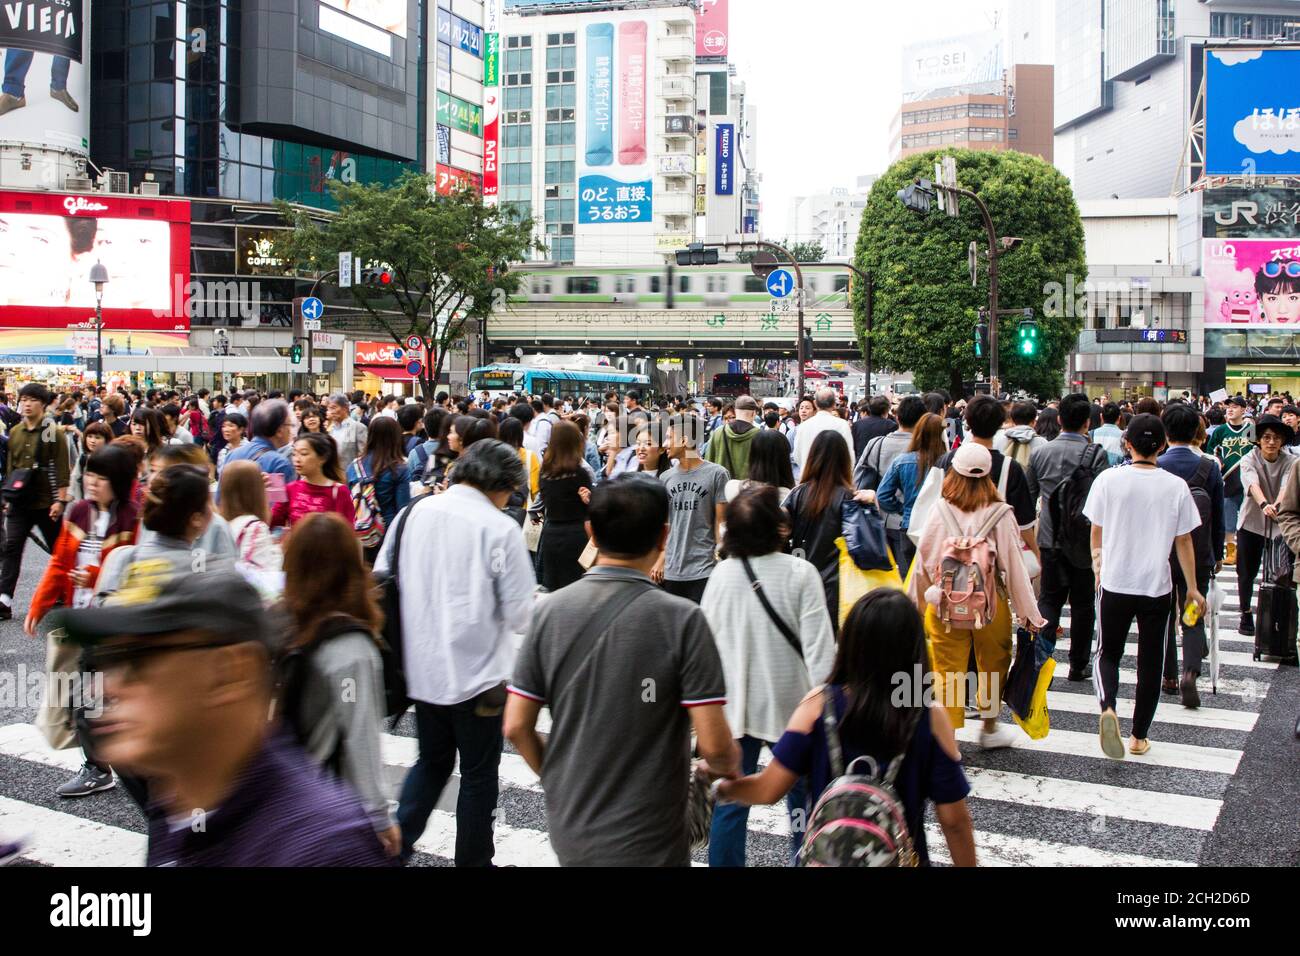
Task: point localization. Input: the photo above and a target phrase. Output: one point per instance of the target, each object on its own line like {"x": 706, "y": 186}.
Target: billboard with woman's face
{"x": 1252, "y": 283}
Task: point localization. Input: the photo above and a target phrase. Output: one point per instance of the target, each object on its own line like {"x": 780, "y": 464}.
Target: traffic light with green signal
{"x": 295, "y": 354}
{"x": 1027, "y": 336}
{"x": 982, "y": 337}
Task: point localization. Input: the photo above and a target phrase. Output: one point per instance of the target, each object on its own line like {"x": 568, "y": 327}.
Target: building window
{"x": 561, "y": 250}
{"x": 718, "y": 93}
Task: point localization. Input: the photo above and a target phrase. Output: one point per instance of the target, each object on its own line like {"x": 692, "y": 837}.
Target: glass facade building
{"x": 165, "y": 100}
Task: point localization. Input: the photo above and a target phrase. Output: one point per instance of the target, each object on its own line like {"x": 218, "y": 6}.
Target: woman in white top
{"x": 760, "y": 603}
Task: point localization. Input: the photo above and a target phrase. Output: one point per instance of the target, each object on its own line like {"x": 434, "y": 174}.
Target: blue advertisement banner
{"x": 605, "y": 200}
{"x": 467, "y": 36}
{"x": 725, "y": 160}
{"x": 599, "y": 120}
{"x": 1252, "y": 112}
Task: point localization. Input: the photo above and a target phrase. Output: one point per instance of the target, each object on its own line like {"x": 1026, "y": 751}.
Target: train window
{"x": 841, "y": 284}
{"x": 755, "y": 284}
{"x": 656, "y": 285}
{"x": 542, "y": 285}
{"x": 684, "y": 284}
{"x": 715, "y": 283}
{"x": 583, "y": 285}
{"x": 625, "y": 284}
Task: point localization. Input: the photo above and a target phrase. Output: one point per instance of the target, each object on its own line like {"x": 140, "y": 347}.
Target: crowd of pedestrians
{"x": 674, "y": 571}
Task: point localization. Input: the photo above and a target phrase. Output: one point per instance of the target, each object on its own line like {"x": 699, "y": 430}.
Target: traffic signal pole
{"x": 992, "y": 234}
{"x": 798, "y": 273}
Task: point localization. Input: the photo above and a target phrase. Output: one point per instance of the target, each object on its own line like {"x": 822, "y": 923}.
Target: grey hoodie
{"x": 1008, "y": 440}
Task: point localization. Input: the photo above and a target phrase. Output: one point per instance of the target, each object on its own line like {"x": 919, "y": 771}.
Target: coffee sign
{"x": 257, "y": 254}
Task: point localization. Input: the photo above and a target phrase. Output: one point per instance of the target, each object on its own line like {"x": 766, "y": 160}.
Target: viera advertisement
{"x": 45, "y": 99}
{"x": 49, "y": 242}
{"x": 615, "y": 181}
{"x": 1252, "y": 283}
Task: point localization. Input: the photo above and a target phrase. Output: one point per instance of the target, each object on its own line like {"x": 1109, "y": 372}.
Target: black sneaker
{"x": 1187, "y": 688}
{"x": 1247, "y": 626}
{"x": 6, "y": 612}
{"x": 1169, "y": 686}
{"x": 1079, "y": 676}
{"x": 89, "y": 779}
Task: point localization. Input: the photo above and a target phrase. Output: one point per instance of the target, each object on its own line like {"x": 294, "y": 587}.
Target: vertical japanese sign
{"x": 724, "y": 153}
{"x": 600, "y": 94}
{"x": 632, "y": 89}
{"x": 711, "y": 28}
{"x": 491, "y": 140}
{"x": 491, "y": 59}
{"x": 492, "y": 101}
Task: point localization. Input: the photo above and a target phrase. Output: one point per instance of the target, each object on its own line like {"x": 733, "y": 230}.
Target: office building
{"x": 831, "y": 218}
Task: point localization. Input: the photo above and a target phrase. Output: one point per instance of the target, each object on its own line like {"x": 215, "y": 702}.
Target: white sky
{"x": 826, "y": 76}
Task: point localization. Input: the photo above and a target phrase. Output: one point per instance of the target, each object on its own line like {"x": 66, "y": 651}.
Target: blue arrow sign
{"x": 780, "y": 284}
{"x": 313, "y": 308}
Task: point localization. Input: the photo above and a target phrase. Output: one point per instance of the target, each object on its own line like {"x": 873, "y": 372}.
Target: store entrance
{"x": 1250, "y": 379}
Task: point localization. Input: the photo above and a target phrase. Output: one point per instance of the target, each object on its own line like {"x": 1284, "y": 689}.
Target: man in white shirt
{"x": 1138, "y": 514}
{"x": 824, "y": 420}
{"x": 348, "y": 433}
{"x": 466, "y": 589}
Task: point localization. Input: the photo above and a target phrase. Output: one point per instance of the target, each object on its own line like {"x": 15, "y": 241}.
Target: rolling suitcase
{"x": 1275, "y": 628}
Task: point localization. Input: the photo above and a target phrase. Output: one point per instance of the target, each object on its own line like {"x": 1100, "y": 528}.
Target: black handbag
{"x": 864, "y": 533}
{"x": 1276, "y": 624}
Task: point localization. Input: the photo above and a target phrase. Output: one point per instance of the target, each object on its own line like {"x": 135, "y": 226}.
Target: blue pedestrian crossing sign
{"x": 780, "y": 284}
{"x": 312, "y": 308}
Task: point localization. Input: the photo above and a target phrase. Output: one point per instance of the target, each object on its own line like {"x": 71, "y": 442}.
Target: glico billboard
{"x": 50, "y": 241}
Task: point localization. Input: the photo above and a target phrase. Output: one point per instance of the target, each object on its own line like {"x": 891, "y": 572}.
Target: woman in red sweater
{"x": 105, "y": 519}
{"x": 320, "y": 486}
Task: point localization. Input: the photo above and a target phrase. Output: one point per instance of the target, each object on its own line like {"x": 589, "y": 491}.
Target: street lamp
{"x": 99, "y": 278}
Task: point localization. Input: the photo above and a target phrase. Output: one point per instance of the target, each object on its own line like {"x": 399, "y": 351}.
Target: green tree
{"x": 449, "y": 257}
{"x": 925, "y": 307}
{"x": 812, "y": 251}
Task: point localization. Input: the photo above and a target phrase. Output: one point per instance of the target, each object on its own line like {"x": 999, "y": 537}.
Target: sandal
{"x": 1138, "y": 747}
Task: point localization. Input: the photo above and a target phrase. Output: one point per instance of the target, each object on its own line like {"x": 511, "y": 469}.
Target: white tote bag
{"x": 930, "y": 495}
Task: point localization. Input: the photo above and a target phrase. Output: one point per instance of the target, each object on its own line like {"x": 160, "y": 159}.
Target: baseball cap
{"x": 218, "y": 601}
{"x": 972, "y": 461}
{"x": 746, "y": 403}
{"x": 1239, "y": 401}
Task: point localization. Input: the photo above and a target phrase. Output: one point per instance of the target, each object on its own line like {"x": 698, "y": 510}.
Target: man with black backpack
{"x": 1060, "y": 473}
{"x": 36, "y": 480}
{"x": 1205, "y": 482}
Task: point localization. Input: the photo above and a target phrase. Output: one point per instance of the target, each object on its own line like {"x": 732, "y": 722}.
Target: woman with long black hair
{"x": 565, "y": 493}
{"x": 882, "y": 638}
{"x": 816, "y": 507}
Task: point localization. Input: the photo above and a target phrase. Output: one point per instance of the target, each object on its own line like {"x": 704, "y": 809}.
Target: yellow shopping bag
{"x": 856, "y": 583}
{"x": 1039, "y": 722}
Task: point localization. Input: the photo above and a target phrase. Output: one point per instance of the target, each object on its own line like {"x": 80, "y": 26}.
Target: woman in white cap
{"x": 972, "y": 528}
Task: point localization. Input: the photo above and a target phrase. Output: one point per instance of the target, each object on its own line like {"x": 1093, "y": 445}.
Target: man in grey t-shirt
{"x": 628, "y": 672}
{"x": 697, "y": 503}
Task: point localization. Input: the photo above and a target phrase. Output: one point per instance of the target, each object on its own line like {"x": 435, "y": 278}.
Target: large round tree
{"x": 925, "y": 307}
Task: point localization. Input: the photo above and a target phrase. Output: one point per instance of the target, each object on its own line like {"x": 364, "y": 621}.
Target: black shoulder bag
{"x": 781, "y": 626}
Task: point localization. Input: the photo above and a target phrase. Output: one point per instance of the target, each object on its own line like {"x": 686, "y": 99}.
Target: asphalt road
{"x": 1220, "y": 786}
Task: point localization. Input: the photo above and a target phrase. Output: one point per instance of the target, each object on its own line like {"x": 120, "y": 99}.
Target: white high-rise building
{"x": 831, "y": 218}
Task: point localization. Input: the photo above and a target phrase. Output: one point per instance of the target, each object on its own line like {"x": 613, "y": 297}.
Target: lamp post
{"x": 99, "y": 278}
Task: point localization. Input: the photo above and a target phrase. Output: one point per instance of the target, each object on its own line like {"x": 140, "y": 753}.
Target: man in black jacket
{"x": 874, "y": 423}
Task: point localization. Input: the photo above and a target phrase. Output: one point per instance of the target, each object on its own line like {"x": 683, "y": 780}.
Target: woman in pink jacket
{"x": 971, "y": 508}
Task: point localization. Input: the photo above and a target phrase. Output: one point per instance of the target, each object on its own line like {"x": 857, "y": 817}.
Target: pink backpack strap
{"x": 949, "y": 519}
{"x": 986, "y": 529}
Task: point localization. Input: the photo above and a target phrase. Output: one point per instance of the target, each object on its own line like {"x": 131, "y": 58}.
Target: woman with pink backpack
{"x": 967, "y": 561}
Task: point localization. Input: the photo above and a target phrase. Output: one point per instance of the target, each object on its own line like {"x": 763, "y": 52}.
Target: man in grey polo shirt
{"x": 628, "y": 672}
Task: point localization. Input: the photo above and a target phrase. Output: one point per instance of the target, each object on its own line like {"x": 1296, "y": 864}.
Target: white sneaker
{"x": 1000, "y": 739}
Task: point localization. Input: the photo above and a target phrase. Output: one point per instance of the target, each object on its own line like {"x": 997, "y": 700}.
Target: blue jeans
{"x": 18, "y": 62}
{"x": 444, "y": 731}
{"x": 731, "y": 822}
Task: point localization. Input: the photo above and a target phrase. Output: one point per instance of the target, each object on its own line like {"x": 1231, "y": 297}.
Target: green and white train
{"x": 668, "y": 287}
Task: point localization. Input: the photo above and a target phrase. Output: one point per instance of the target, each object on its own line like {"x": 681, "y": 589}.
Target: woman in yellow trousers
{"x": 971, "y": 503}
